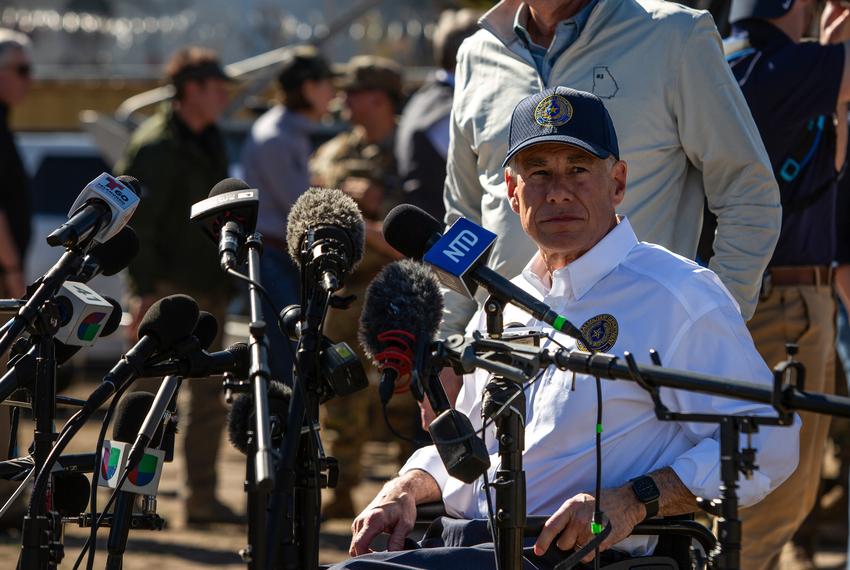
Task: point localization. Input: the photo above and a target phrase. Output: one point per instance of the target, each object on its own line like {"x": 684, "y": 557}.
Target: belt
{"x": 802, "y": 275}
{"x": 795, "y": 275}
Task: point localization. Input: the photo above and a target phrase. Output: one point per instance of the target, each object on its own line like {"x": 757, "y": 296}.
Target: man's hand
{"x": 393, "y": 511}
{"x": 834, "y": 24}
{"x": 569, "y": 527}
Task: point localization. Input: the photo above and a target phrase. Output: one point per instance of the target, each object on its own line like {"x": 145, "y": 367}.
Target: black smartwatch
{"x": 647, "y": 493}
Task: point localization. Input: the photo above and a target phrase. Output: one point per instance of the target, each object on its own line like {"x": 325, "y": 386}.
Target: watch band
{"x": 647, "y": 493}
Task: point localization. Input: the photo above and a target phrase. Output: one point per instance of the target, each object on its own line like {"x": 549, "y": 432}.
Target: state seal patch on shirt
{"x": 601, "y": 332}
{"x": 553, "y": 111}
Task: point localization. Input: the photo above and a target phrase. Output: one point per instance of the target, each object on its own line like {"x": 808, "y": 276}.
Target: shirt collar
{"x": 297, "y": 121}
{"x": 761, "y": 32}
{"x": 566, "y": 30}
{"x": 577, "y": 278}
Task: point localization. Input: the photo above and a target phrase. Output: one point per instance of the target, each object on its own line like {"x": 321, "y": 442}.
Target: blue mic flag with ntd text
{"x": 461, "y": 248}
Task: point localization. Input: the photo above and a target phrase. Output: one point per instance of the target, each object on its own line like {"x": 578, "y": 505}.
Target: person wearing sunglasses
{"x": 15, "y": 80}
{"x": 15, "y": 212}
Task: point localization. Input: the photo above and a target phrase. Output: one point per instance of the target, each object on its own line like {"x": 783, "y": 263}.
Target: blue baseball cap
{"x": 761, "y": 9}
{"x": 566, "y": 116}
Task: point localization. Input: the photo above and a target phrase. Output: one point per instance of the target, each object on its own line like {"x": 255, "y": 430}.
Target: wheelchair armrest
{"x": 680, "y": 526}
{"x": 689, "y": 528}
{"x": 427, "y": 512}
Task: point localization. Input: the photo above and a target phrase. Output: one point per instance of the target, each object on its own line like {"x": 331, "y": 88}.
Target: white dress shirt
{"x": 659, "y": 300}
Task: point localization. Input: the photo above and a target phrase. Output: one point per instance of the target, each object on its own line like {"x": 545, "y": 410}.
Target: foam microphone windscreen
{"x": 132, "y": 183}
{"x": 406, "y": 296}
{"x": 240, "y": 418}
{"x": 170, "y": 319}
{"x": 130, "y": 414}
{"x": 411, "y": 230}
{"x": 71, "y": 493}
{"x": 206, "y": 329}
{"x": 318, "y": 207}
{"x": 228, "y": 185}
{"x": 116, "y": 253}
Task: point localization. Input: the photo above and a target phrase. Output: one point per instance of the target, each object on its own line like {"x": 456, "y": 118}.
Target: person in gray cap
{"x": 275, "y": 159}
{"x": 564, "y": 179}
{"x": 361, "y": 164}
{"x": 797, "y": 92}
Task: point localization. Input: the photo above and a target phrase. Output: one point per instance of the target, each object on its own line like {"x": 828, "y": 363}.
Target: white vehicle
{"x": 59, "y": 166}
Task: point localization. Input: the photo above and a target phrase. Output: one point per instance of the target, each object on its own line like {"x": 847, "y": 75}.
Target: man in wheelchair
{"x": 565, "y": 179}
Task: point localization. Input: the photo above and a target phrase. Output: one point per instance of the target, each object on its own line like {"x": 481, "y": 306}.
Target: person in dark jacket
{"x": 15, "y": 213}
{"x": 422, "y": 140}
{"x": 15, "y": 210}
{"x": 178, "y": 155}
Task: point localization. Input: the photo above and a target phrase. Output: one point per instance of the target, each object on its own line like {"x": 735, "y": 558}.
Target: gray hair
{"x": 10, "y": 40}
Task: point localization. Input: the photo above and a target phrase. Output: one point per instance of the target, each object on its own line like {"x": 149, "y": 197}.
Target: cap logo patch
{"x": 601, "y": 332}
{"x": 553, "y": 111}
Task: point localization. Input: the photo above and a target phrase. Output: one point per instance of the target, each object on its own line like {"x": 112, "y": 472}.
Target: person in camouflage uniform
{"x": 361, "y": 163}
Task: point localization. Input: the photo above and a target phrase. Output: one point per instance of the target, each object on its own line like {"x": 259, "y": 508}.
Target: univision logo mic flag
{"x": 82, "y": 314}
{"x": 143, "y": 480}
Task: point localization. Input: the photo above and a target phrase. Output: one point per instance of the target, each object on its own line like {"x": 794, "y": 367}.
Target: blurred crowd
{"x": 752, "y": 131}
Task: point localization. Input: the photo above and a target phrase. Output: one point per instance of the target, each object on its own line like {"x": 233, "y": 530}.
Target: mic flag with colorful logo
{"x": 143, "y": 480}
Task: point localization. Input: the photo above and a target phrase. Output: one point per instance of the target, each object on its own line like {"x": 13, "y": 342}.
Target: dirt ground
{"x": 181, "y": 548}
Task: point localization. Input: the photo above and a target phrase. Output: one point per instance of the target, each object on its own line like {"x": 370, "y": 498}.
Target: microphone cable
{"x": 596, "y": 525}
{"x": 91, "y": 542}
{"x": 311, "y": 421}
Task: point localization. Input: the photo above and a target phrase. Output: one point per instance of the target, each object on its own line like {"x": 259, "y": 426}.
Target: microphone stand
{"x": 299, "y": 492}
{"x": 509, "y": 418}
{"x": 41, "y": 536}
{"x": 785, "y": 395}
{"x": 260, "y": 477}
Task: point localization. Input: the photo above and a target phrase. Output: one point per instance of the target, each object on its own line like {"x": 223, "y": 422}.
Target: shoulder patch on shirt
{"x": 553, "y": 111}
{"x": 601, "y": 332}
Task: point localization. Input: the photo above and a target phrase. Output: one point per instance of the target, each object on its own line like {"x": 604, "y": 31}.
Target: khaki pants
{"x": 202, "y": 414}
{"x": 804, "y": 315}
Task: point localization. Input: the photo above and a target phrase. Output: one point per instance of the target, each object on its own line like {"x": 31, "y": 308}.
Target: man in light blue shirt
{"x": 275, "y": 160}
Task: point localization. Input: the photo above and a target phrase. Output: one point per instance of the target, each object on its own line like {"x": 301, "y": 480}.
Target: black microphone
{"x": 240, "y": 418}
{"x": 167, "y": 321}
{"x": 416, "y": 233}
{"x": 325, "y": 236}
{"x": 403, "y": 307}
{"x": 129, "y": 415}
{"x": 401, "y": 314}
{"x": 71, "y": 491}
{"x": 104, "y": 206}
{"x": 205, "y": 332}
{"x": 227, "y": 216}
{"x": 206, "y": 329}
{"x": 110, "y": 257}
{"x": 235, "y": 359}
